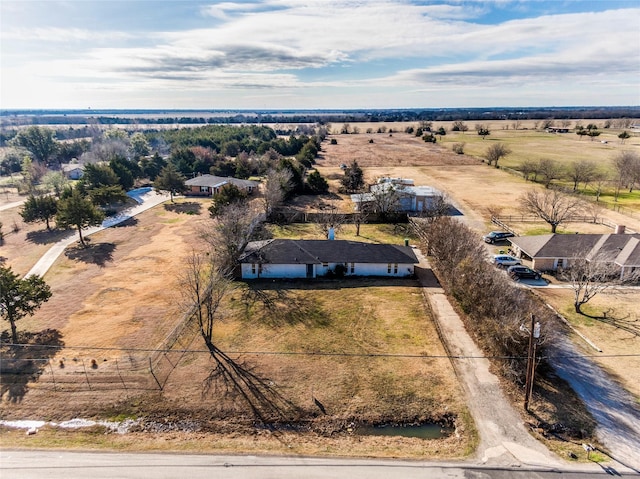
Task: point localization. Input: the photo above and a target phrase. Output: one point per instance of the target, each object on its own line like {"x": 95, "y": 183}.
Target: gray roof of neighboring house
{"x": 67, "y": 167}
{"x": 286, "y": 251}
{"x": 214, "y": 181}
{"x": 624, "y": 249}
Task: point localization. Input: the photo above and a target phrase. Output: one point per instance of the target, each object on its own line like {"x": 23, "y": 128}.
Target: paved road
{"x": 611, "y": 405}
{"x": 146, "y": 199}
{"x": 64, "y": 465}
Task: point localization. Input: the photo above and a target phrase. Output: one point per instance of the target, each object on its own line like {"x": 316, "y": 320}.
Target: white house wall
{"x": 300, "y": 270}
{"x": 275, "y": 271}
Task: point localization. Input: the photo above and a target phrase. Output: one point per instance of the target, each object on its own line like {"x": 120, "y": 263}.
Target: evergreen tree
{"x": 76, "y": 210}
{"x": 20, "y": 297}
{"x": 39, "y": 208}
{"x": 170, "y": 180}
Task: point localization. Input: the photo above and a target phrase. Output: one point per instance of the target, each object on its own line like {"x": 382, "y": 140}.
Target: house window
{"x": 204, "y": 189}
{"x": 395, "y": 268}
{"x": 325, "y": 265}
{"x": 560, "y": 263}
{"x": 353, "y": 268}
{"x": 389, "y": 268}
{"x": 255, "y": 267}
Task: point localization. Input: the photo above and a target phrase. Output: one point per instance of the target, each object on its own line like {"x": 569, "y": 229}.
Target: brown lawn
{"x": 480, "y": 191}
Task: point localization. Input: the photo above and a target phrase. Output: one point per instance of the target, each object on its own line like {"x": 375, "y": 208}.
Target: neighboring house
{"x": 209, "y": 185}
{"x": 556, "y": 251}
{"x": 73, "y": 171}
{"x": 286, "y": 258}
{"x": 396, "y": 194}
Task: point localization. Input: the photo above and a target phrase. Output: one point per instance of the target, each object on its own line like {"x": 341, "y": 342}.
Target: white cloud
{"x": 287, "y": 44}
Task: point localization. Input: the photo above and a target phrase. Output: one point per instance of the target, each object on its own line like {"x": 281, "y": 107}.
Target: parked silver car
{"x": 504, "y": 260}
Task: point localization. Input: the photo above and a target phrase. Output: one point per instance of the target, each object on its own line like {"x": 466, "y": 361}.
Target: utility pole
{"x": 534, "y": 334}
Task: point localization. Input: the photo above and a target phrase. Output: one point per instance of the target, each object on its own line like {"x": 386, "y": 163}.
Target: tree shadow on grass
{"x": 24, "y": 363}
{"x": 279, "y": 307}
{"x": 187, "y": 208}
{"x": 627, "y": 324}
{"x": 126, "y": 223}
{"x": 235, "y": 379}
{"x": 98, "y": 254}
{"x": 49, "y": 236}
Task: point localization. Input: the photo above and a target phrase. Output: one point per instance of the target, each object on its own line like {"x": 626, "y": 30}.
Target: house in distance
{"x": 209, "y": 185}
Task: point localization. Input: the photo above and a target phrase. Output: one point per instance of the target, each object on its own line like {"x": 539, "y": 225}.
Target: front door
{"x": 309, "y": 271}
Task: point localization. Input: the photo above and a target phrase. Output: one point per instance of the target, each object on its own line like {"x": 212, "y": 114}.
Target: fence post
{"x": 152, "y": 373}
{"x": 86, "y": 375}
{"x": 120, "y": 375}
{"x": 53, "y": 377}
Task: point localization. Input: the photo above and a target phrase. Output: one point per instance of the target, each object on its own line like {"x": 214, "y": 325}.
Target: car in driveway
{"x": 496, "y": 236}
{"x": 522, "y": 272}
{"x": 504, "y": 260}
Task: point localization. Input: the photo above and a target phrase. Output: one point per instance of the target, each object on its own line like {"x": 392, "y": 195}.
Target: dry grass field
{"x": 122, "y": 294}
{"x": 480, "y": 191}
{"x": 120, "y": 297}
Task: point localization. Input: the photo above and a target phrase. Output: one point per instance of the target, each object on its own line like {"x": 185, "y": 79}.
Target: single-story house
{"x": 286, "y": 258}
{"x": 209, "y": 185}
{"x": 556, "y": 251}
{"x": 399, "y": 194}
{"x": 73, "y": 171}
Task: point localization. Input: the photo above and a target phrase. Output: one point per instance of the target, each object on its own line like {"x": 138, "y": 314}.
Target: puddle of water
{"x": 422, "y": 431}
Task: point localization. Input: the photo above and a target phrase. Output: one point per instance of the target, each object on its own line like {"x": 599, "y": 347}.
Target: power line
{"x": 317, "y": 353}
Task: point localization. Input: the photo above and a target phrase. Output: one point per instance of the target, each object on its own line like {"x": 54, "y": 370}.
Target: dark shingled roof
{"x": 286, "y": 251}
{"x": 623, "y": 249}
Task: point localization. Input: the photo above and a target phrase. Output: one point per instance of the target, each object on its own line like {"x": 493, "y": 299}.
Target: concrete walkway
{"x": 504, "y": 441}
{"x": 146, "y": 200}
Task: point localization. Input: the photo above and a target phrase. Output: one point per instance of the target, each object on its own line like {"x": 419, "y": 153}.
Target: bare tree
{"x": 581, "y": 171}
{"x": 549, "y": 170}
{"x": 495, "y": 152}
{"x": 552, "y": 206}
{"x": 435, "y": 207}
{"x": 599, "y": 180}
{"x": 459, "y": 126}
{"x": 591, "y": 275}
{"x": 362, "y": 209}
{"x": 229, "y": 232}
{"x": 204, "y": 285}
{"x": 627, "y": 167}
{"x": 548, "y": 123}
{"x": 276, "y": 185}
{"x": 329, "y": 218}
{"x": 530, "y": 167}
{"x": 594, "y": 210}
{"x": 386, "y": 199}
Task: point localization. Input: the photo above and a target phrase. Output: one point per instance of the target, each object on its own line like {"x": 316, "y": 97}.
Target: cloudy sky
{"x": 318, "y": 54}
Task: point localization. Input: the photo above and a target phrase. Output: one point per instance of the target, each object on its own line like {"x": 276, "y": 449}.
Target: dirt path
{"x": 503, "y": 438}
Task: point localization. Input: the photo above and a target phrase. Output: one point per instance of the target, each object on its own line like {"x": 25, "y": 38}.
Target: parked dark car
{"x": 522, "y": 272}
{"x": 497, "y": 236}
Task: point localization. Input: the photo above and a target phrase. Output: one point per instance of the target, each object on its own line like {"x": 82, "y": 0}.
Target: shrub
{"x": 494, "y": 307}
{"x": 458, "y": 148}
{"x": 333, "y": 141}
